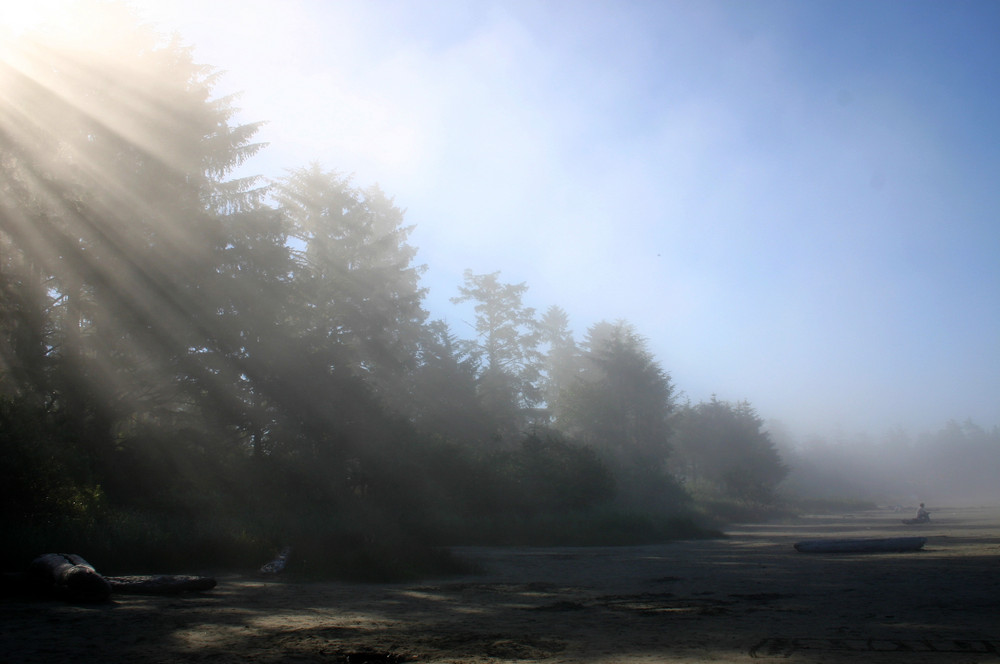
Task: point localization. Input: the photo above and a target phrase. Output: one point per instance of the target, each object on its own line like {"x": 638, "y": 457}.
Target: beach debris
{"x": 277, "y": 565}
{"x": 69, "y": 575}
{"x": 162, "y": 584}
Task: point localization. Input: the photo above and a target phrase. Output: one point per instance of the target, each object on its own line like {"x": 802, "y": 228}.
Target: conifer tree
{"x": 506, "y": 349}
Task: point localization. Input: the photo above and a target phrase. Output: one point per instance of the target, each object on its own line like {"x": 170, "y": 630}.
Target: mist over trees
{"x": 195, "y": 362}
{"x": 724, "y": 450}
{"x": 955, "y": 465}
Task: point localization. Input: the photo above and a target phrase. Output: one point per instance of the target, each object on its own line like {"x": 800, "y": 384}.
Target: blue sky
{"x": 795, "y": 202}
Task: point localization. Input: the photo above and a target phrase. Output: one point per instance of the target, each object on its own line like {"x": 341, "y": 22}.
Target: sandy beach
{"x": 748, "y": 597}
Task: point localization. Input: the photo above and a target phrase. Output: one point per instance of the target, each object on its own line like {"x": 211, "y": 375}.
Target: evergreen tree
{"x": 256, "y": 305}
{"x": 622, "y": 399}
{"x": 506, "y": 349}
{"x": 561, "y": 363}
{"x": 723, "y": 447}
{"x": 620, "y": 404}
{"x": 360, "y": 291}
{"x": 444, "y": 401}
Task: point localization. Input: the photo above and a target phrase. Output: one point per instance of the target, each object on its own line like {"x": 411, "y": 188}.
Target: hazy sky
{"x": 797, "y": 203}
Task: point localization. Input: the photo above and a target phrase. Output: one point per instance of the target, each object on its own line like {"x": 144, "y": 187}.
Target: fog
{"x": 954, "y": 466}
{"x": 794, "y": 203}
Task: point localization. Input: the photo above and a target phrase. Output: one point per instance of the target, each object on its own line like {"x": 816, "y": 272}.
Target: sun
{"x": 18, "y": 17}
{"x": 74, "y": 25}
{"x": 61, "y": 21}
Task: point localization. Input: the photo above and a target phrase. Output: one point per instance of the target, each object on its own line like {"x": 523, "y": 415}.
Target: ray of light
{"x": 96, "y": 163}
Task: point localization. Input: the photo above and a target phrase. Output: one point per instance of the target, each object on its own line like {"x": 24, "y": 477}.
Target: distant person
{"x": 923, "y": 514}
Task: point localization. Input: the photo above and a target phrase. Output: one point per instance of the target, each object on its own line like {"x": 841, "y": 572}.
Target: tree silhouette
{"x": 354, "y": 271}
{"x": 505, "y": 347}
{"x": 723, "y": 447}
{"x": 622, "y": 399}
{"x": 562, "y": 361}
{"x": 443, "y": 397}
{"x": 620, "y": 403}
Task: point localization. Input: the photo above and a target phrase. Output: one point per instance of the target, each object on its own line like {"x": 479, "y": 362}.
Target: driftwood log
{"x": 69, "y": 575}
{"x": 164, "y": 584}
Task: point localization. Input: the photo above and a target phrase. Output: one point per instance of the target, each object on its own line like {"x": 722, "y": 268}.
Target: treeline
{"x": 956, "y": 465}
{"x": 200, "y": 369}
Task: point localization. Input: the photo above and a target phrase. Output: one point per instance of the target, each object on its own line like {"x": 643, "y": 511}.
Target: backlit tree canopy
{"x": 112, "y": 190}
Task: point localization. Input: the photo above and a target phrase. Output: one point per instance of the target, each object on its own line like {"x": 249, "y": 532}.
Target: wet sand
{"x": 749, "y": 597}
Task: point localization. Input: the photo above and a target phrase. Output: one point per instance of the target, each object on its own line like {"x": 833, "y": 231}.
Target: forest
{"x": 198, "y": 369}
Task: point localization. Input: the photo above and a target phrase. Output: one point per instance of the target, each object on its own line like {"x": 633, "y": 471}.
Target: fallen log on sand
{"x": 69, "y": 575}
{"x": 876, "y": 545}
{"x": 163, "y": 584}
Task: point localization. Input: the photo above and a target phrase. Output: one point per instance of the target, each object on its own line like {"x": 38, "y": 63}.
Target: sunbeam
{"x": 112, "y": 177}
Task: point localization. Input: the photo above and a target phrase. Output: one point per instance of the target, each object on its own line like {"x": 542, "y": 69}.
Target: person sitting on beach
{"x": 923, "y": 514}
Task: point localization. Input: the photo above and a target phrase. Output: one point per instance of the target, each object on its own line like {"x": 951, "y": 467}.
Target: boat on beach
{"x": 864, "y": 545}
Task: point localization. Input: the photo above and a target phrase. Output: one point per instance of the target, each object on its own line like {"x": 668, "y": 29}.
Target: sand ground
{"x": 750, "y": 597}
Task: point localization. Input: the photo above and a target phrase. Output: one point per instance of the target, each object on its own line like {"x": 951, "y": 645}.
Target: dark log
{"x": 69, "y": 575}
{"x": 164, "y": 584}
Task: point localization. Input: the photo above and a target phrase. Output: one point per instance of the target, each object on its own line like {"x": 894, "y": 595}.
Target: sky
{"x": 796, "y": 203}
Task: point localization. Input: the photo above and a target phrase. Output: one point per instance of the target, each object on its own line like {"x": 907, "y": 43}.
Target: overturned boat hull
{"x": 868, "y": 545}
